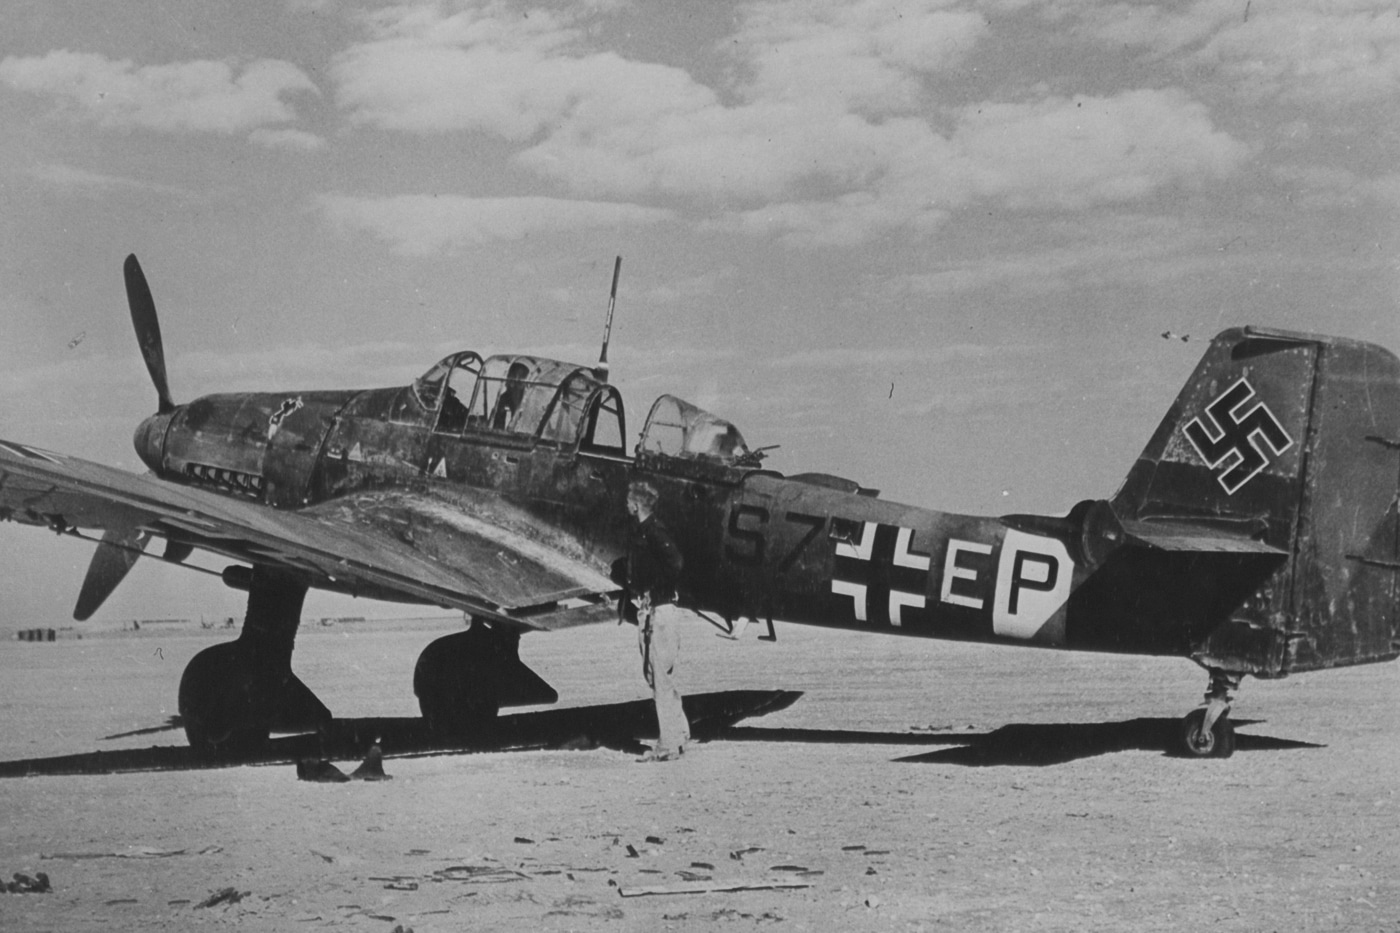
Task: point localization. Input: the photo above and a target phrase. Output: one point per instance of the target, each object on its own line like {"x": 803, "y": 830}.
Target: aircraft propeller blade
{"x": 113, "y": 559}
{"x": 143, "y": 318}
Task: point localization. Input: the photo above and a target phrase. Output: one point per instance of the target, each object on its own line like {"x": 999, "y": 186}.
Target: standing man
{"x": 653, "y": 571}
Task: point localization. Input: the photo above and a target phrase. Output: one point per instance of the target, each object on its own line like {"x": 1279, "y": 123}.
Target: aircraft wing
{"x": 393, "y": 545}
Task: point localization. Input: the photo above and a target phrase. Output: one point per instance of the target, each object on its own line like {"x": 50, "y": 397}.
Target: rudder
{"x": 1291, "y": 440}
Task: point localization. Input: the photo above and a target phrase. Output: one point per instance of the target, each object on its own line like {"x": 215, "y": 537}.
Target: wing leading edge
{"x": 371, "y": 545}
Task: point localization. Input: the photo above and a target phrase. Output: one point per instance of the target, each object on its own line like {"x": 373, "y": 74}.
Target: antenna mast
{"x": 602, "y": 368}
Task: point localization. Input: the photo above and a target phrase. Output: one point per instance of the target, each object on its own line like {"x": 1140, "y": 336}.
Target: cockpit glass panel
{"x": 500, "y": 393}
{"x": 428, "y": 387}
{"x": 566, "y": 418}
{"x": 517, "y": 394}
{"x": 604, "y": 424}
{"x": 676, "y": 428}
{"x": 460, "y": 383}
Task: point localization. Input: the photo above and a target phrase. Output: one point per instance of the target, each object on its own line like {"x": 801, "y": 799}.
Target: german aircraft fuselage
{"x": 541, "y": 449}
{"x": 1257, "y": 533}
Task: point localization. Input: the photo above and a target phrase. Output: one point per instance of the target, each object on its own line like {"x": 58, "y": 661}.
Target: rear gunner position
{"x": 1256, "y": 534}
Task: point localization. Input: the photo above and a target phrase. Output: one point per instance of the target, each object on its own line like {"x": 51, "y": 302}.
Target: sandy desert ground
{"x": 915, "y": 786}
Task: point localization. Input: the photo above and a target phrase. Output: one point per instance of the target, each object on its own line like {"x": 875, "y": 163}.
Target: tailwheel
{"x": 1207, "y": 732}
{"x": 462, "y": 680}
{"x": 1217, "y": 741}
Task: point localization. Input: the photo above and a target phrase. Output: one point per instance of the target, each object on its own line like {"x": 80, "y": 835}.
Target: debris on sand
{"x": 707, "y": 887}
{"x": 134, "y": 852}
{"x": 320, "y": 771}
{"x": 372, "y": 768}
{"x": 478, "y": 874}
{"x": 222, "y": 896}
{"x": 25, "y": 884}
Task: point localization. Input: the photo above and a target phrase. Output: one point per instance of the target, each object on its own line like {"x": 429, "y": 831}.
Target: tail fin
{"x": 1291, "y": 441}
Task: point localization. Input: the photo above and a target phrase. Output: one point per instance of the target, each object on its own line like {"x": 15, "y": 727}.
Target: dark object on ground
{"x": 372, "y": 768}
{"x": 24, "y": 884}
{"x": 612, "y": 725}
{"x": 222, "y": 896}
{"x": 320, "y": 771}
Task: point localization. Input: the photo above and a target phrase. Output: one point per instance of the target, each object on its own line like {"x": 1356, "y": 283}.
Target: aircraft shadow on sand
{"x": 615, "y": 725}
{"x": 1025, "y": 744}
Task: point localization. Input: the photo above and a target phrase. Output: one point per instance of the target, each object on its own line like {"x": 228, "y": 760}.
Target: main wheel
{"x": 457, "y": 682}
{"x": 1197, "y": 742}
{"x": 222, "y": 703}
{"x": 232, "y": 698}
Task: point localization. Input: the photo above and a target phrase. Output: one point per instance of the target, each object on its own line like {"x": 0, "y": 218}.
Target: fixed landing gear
{"x": 1207, "y": 732}
{"x": 462, "y": 680}
{"x": 233, "y": 695}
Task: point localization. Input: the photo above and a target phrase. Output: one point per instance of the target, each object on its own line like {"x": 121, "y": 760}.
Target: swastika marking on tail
{"x": 1242, "y": 439}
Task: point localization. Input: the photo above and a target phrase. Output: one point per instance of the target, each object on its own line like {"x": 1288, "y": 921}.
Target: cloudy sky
{"x": 928, "y": 245}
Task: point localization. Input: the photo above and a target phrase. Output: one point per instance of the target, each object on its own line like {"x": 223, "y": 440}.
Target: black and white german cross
{"x": 884, "y": 577}
{"x": 1239, "y": 443}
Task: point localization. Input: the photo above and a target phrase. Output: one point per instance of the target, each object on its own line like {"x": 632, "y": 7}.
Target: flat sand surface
{"x": 916, "y": 785}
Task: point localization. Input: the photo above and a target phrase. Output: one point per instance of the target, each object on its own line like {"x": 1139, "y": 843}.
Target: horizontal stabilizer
{"x": 1183, "y": 537}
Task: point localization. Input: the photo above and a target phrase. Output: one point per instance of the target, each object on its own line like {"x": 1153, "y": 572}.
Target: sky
{"x": 930, "y": 245}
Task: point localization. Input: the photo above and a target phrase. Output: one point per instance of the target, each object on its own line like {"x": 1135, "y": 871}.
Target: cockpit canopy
{"x": 562, "y": 403}
{"x": 676, "y": 428}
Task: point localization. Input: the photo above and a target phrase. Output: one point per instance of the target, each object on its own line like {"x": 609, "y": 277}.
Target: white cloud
{"x": 297, "y": 140}
{"x": 1093, "y": 150}
{"x": 889, "y": 357}
{"x": 689, "y": 288}
{"x": 846, "y": 220}
{"x": 868, "y": 56}
{"x": 827, "y": 130}
{"x": 69, "y": 179}
{"x": 1310, "y": 54}
{"x": 496, "y": 70}
{"x": 1296, "y": 50}
{"x": 1328, "y": 187}
{"x": 1107, "y": 251}
{"x": 1163, "y": 28}
{"x": 1053, "y": 152}
{"x": 202, "y": 96}
{"x": 420, "y": 225}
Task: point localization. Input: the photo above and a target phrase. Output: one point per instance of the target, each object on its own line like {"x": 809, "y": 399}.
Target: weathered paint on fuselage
{"x": 1256, "y": 533}
{"x": 294, "y": 450}
{"x": 792, "y": 550}
{"x": 788, "y": 549}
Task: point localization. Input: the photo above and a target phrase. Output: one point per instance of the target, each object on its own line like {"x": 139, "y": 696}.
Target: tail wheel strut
{"x": 1206, "y": 732}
